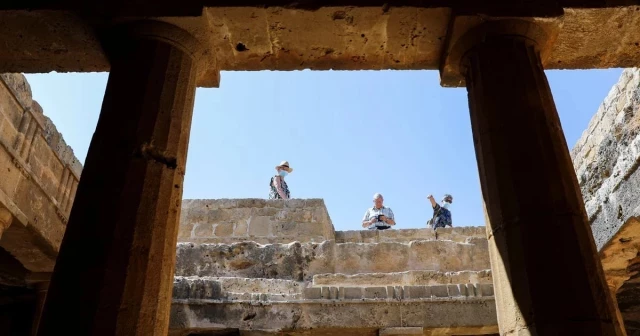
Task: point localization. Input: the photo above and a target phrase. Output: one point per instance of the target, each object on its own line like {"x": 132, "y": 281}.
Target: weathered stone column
{"x": 41, "y": 295}
{"x": 114, "y": 272}
{"x": 547, "y": 274}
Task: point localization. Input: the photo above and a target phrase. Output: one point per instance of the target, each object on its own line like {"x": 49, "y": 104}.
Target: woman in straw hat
{"x": 279, "y": 188}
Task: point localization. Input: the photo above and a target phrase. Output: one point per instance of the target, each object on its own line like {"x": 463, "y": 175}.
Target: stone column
{"x": 41, "y": 295}
{"x": 547, "y": 274}
{"x": 114, "y": 272}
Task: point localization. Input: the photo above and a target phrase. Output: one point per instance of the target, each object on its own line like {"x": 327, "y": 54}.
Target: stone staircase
{"x": 352, "y": 283}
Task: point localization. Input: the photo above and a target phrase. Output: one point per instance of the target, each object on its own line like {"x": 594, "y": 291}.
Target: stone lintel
{"x": 467, "y": 31}
{"x": 366, "y": 35}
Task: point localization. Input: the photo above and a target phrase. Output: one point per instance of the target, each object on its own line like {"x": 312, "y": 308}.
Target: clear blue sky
{"x": 346, "y": 134}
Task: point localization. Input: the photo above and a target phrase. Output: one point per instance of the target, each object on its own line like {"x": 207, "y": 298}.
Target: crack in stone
{"x": 149, "y": 152}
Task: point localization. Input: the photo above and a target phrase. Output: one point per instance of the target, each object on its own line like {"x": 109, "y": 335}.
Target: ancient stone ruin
{"x": 268, "y": 266}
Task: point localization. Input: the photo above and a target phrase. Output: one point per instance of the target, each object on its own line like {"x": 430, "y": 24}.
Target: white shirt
{"x": 373, "y": 212}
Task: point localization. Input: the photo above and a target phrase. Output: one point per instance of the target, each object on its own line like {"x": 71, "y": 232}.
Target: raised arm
{"x": 432, "y": 200}
{"x": 278, "y": 185}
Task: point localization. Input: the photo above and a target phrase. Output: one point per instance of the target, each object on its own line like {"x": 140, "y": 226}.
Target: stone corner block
{"x": 417, "y": 292}
{"x": 312, "y": 293}
{"x": 455, "y": 290}
{"x": 440, "y": 291}
{"x": 485, "y": 289}
{"x": 353, "y": 293}
{"x": 375, "y": 292}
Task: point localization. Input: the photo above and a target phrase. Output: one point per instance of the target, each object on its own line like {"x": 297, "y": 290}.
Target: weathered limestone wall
{"x": 607, "y": 156}
{"x": 301, "y": 261}
{"x": 606, "y": 159}
{"x": 459, "y": 234}
{"x": 258, "y": 220}
{"x": 39, "y": 178}
{"x": 300, "y": 242}
{"x": 268, "y": 266}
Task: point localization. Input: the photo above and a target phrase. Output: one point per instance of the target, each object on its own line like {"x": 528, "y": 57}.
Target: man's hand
{"x": 430, "y": 197}
{"x": 365, "y": 224}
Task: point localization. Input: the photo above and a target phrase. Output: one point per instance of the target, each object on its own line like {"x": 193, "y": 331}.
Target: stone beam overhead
{"x": 339, "y": 35}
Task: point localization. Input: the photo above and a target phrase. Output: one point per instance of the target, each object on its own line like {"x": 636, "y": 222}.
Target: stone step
{"x": 207, "y": 288}
{"x": 399, "y": 292}
{"x": 258, "y": 285}
{"x": 235, "y": 288}
{"x": 301, "y": 261}
{"x": 402, "y": 278}
{"x": 458, "y": 234}
{"x": 261, "y": 297}
{"x": 436, "y": 316}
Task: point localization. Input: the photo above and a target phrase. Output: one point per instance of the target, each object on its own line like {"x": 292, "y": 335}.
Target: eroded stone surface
{"x": 478, "y": 314}
{"x": 459, "y": 234}
{"x": 606, "y": 159}
{"x": 39, "y": 177}
{"x": 293, "y": 288}
{"x": 303, "y": 35}
{"x": 300, "y": 261}
{"x": 257, "y": 220}
{"x": 428, "y": 277}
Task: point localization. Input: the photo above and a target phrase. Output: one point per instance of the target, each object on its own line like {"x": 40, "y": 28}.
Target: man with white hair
{"x": 379, "y": 217}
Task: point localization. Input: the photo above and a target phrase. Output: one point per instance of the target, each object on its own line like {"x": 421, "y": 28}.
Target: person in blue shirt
{"x": 441, "y": 213}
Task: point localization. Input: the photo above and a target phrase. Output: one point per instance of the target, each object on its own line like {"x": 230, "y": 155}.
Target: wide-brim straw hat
{"x": 285, "y": 165}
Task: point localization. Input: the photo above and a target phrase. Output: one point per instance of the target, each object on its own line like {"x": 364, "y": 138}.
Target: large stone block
{"x": 352, "y": 317}
{"x": 259, "y": 220}
{"x": 353, "y": 293}
{"x": 184, "y": 288}
{"x": 260, "y": 226}
{"x": 375, "y": 292}
{"x": 11, "y": 174}
{"x": 8, "y": 132}
{"x": 381, "y": 257}
{"x": 293, "y": 261}
{"x": 425, "y": 277}
{"x": 241, "y": 228}
{"x": 202, "y": 230}
{"x": 224, "y": 230}
{"x": 9, "y": 107}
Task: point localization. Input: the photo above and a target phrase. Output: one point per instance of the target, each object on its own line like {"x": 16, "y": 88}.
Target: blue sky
{"x": 346, "y": 134}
